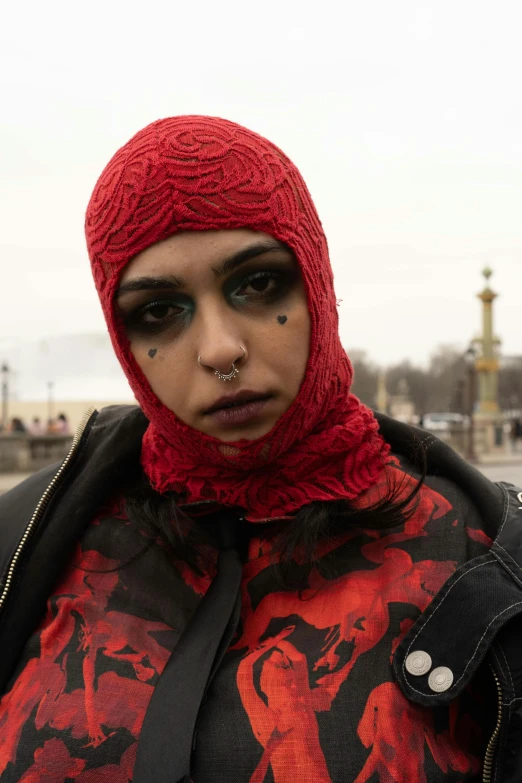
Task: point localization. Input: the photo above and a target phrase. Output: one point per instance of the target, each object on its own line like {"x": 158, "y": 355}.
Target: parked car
{"x": 444, "y": 422}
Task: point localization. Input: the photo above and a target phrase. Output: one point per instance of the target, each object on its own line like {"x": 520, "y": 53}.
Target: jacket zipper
{"x": 40, "y": 508}
{"x": 492, "y": 744}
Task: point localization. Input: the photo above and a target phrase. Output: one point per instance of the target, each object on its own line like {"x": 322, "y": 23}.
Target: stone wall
{"x": 74, "y": 410}
{"x": 27, "y": 453}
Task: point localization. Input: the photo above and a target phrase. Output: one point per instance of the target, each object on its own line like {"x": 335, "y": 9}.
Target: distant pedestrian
{"x": 62, "y": 424}
{"x": 516, "y": 434}
{"x": 36, "y": 427}
{"x": 17, "y": 426}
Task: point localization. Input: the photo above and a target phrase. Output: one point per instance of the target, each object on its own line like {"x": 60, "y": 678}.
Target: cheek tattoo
{"x": 153, "y": 352}
{"x": 282, "y": 319}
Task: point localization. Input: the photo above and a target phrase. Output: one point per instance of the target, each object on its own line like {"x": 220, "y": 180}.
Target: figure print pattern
{"x": 304, "y": 693}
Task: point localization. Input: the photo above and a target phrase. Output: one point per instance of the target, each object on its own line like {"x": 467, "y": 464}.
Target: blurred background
{"x": 405, "y": 119}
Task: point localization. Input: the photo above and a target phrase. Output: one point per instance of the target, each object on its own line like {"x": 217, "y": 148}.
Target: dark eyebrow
{"x": 149, "y": 284}
{"x": 252, "y": 251}
{"x": 224, "y": 268}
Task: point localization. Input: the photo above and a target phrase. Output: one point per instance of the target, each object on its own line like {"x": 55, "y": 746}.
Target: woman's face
{"x": 227, "y": 297}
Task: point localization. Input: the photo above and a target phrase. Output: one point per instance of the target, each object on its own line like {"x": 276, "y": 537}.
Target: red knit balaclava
{"x": 194, "y": 173}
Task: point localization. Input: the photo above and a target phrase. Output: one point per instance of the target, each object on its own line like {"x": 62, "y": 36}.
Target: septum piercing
{"x": 226, "y": 376}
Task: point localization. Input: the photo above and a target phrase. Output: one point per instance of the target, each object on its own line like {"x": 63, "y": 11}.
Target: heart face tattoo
{"x": 282, "y": 319}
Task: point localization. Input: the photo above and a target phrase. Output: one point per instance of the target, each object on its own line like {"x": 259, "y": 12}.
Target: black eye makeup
{"x": 262, "y": 284}
{"x": 160, "y": 312}
{"x": 265, "y": 286}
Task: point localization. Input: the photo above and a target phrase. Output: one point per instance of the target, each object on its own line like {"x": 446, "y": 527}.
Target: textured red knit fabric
{"x": 196, "y": 173}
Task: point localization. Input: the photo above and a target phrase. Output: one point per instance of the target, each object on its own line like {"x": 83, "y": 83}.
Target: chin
{"x": 242, "y": 433}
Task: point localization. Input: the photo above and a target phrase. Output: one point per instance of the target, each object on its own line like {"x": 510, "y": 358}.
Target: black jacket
{"x": 472, "y": 621}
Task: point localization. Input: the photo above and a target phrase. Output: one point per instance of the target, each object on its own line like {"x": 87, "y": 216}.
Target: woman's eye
{"x": 258, "y": 284}
{"x": 154, "y": 317}
{"x": 261, "y": 284}
{"x": 159, "y": 312}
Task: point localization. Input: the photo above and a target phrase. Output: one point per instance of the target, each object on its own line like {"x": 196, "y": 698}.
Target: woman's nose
{"x": 222, "y": 362}
{"x": 221, "y": 346}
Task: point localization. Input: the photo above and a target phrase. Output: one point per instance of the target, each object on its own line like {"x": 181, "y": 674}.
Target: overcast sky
{"x": 404, "y": 117}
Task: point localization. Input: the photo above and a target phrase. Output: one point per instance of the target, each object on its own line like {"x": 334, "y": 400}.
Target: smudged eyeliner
{"x": 283, "y": 280}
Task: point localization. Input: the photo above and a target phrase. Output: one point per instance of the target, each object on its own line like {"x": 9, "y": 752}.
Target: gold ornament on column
{"x": 487, "y": 364}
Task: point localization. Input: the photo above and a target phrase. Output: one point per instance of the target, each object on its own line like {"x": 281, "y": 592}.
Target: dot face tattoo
{"x": 153, "y": 352}
{"x": 282, "y": 319}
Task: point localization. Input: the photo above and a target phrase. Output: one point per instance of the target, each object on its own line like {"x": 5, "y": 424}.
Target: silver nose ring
{"x": 233, "y": 370}
{"x": 228, "y": 376}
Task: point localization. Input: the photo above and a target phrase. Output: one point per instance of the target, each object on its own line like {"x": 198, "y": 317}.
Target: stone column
{"x": 487, "y": 364}
{"x": 489, "y": 418}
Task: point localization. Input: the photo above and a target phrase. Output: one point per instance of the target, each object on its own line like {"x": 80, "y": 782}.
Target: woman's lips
{"x": 239, "y": 413}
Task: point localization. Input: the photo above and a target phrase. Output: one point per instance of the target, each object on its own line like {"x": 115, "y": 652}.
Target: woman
{"x": 248, "y": 577}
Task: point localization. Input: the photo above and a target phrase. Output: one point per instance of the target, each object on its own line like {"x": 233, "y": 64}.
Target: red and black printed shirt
{"x": 305, "y": 693}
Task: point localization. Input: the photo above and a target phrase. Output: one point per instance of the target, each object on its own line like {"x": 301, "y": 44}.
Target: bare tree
{"x": 447, "y": 371}
{"x": 442, "y": 387}
{"x": 418, "y": 383}
{"x": 366, "y": 374}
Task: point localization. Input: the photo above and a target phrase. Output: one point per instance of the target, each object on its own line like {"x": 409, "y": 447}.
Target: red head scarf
{"x": 198, "y": 173}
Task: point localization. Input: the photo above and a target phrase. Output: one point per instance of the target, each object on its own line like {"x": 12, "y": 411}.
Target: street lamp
{"x": 470, "y": 357}
{"x": 5, "y": 394}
